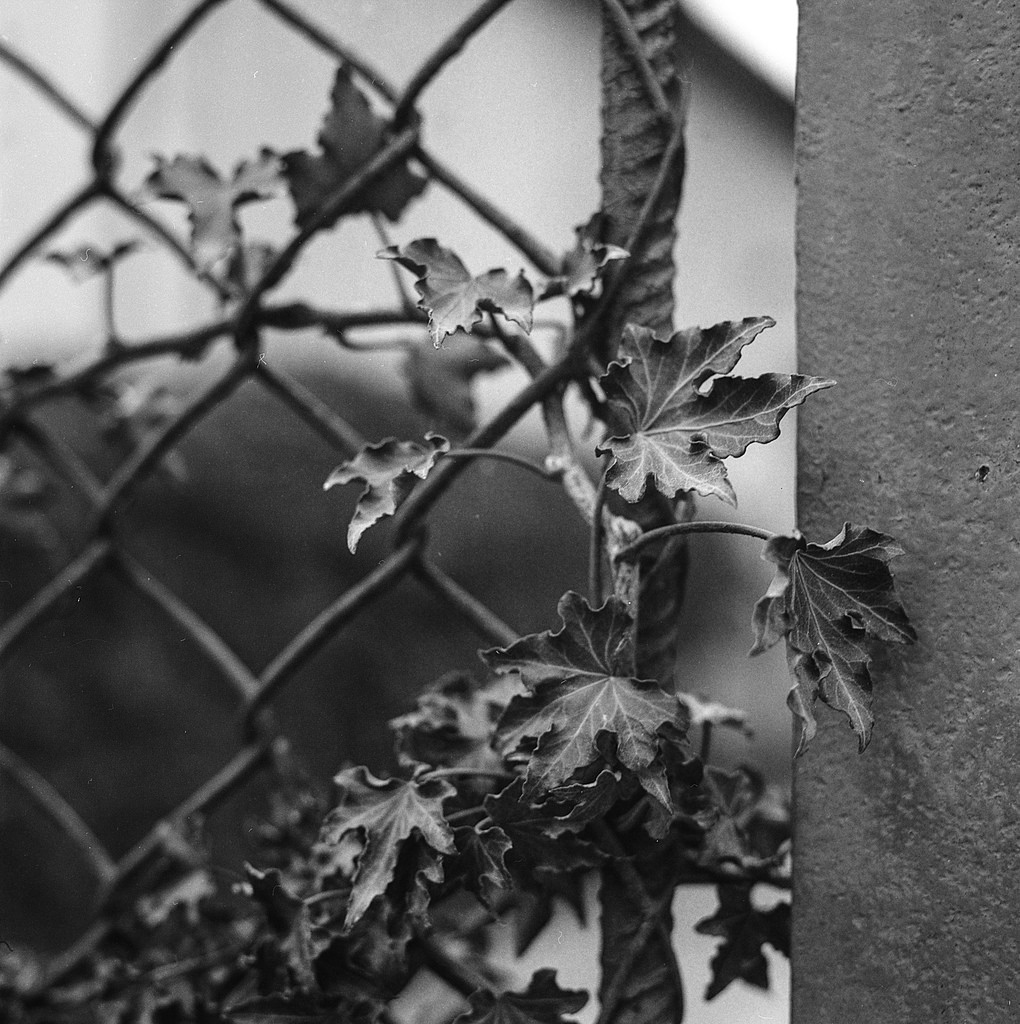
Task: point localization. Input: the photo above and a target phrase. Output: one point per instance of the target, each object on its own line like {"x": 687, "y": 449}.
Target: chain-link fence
{"x": 98, "y": 545}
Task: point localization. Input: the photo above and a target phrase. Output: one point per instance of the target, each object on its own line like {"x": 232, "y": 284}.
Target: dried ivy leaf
{"x": 440, "y": 382}
{"x": 582, "y": 688}
{"x": 350, "y": 136}
{"x": 744, "y": 931}
{"x": 677, "y": 420}
{"x": 389, "y": 814}
{"x": 453, "y": 299}
{"x": 830, "y": 600}
{"x": 212, "y": 201}
{"x": 88, "y": 260}
{"x": 542, "y": 1002}
{"x": 389, "y": 470}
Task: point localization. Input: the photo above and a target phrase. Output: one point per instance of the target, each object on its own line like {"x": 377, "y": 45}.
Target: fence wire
{"x": 101, "y": 549}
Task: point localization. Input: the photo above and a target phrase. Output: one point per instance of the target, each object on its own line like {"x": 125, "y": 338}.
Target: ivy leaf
{"x": 582, "y": 266}
{"x": 829, "y": 600}
{"x": 388, "y": 814}
{"x": 744, "y": 931}
{"x": 89, "y": 260}
{"x": 389, "y": 470}
{"x": 538, "y": 840}
{"x": 453, "y": 299}
{"x": 733, "y": 796}
{"x": 588, "y": 801}
{"x": 212, "y": 201}
{"x": 287, "y": 916}
{"x": 440, "y": 382}
{"x": 454, "y": 723}
{"x": 482, "y": 861}
{"x": 582, "y": 688}
{"x": 677, "y": 420}
{"x": 350, "y": 136}
{"x": 542, "y": 1002}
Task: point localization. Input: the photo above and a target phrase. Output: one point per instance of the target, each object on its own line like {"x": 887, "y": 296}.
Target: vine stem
{"x": 652, "y": 911}
{"x": 595, "y": 545}
{"x": 676, "y": 529}
{"x": 498, "y": 456}
{"x": 468, "y": 773}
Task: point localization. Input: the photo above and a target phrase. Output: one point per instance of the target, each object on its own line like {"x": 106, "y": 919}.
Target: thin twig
{"x": 678, "y": 529}
{"x": 47, "y": 87}
{"x": 444, "y": 53}
{"x": 479, "y": 615}
{"x": 499, "y": 456}
{"x": 66, "y": 818}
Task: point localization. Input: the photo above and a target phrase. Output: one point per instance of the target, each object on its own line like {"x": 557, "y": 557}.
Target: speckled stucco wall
{"x": 907, "y": 892}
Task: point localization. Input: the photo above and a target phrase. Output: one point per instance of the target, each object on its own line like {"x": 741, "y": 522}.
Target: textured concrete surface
{"x": 908, "y": 857}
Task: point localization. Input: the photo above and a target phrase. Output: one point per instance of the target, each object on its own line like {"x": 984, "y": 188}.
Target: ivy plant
{"x": 556, "y": 755}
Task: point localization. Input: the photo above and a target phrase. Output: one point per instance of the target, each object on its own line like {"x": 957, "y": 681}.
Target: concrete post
{"x": 907, "y": 870}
